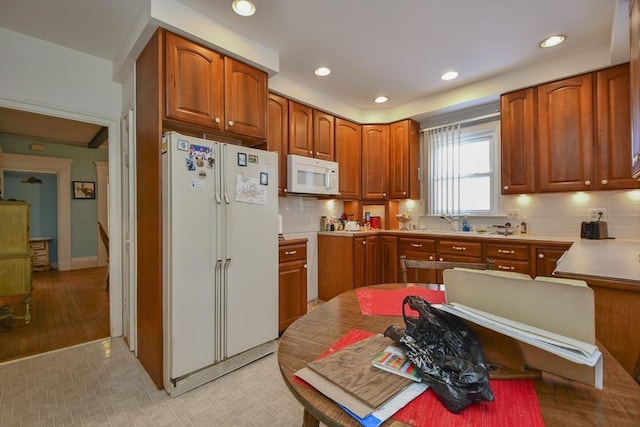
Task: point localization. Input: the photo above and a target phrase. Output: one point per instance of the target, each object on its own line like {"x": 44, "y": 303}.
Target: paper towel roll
{"x": 279, "y": 224}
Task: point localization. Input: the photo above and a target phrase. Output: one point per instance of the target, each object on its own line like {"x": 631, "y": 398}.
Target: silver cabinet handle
{"x": 290, "y": 252}
{"x": 505, "y": 251}
{"x": 506, "y": 267}
{"x": 416, "y": 245}
{"x": 459, "y": 248}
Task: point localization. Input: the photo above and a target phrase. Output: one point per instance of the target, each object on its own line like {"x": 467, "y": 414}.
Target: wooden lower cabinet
{"x": 509, "y": 257}
{"x": 389, "y": 259}
{"x": 417, "y": 248}
{"x": 546, "y": 258}
{"x": 292, "y": 282}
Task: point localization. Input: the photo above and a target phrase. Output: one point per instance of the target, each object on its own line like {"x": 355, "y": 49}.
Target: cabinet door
{"x": 323, "y": 136}
{"x": 278, "y": 135}
{"x": 292, "y": 293}
{"x": 245, "y": 105}
{"x": 348, "y": 155}
{"x": 389, "y": 260}
{"x": 517, "y": 113}
{"x": 613, "y": 130}
{"x": 565, "y": 135}
{"x": 375, "y": 154}
{"x": 300, "y": 129}
{"x": 546, "y": 260}
{"x": 194, "y": 83}
{"x": 634, "y": 29}
{"x": 366, "y": 261}
{"x": 336, "y": 265}
{"x": 404, "y": 160}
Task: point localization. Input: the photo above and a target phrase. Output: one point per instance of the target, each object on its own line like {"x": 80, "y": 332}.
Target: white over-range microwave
{"x": 307, "y": 175}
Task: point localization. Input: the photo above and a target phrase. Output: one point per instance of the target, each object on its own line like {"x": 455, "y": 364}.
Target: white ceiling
{"x": 397, "y": 48}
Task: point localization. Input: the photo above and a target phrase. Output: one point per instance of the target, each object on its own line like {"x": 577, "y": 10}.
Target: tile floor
{"x": 102, "y": 384}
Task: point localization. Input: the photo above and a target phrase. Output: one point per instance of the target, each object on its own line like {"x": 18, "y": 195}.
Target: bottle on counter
{"x": 323, "y": 223}
{"x": 523, "y": 225}
{"x": 465, "y": 224}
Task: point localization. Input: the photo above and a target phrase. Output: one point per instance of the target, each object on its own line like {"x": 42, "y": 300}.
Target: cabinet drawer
{"x": 294, "y": 252}
{"x": 517, "y": 252}
{"x": 463, "y": 248}
{"x": 37, "y": 245}
{"x": 515, "y": 266}
{"x": 416, "y": 245}
{"x": 40, "y": 260}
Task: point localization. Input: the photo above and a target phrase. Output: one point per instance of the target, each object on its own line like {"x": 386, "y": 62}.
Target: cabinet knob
{"x": 310, "y": 153}
{"x": 364, "y": 242}
{"x": 441, "y": 259}
{"x": 431, "y": 258}
{"x": 587, "y": 183}
{"x": 305, "y": 266}
{"x": 506, "y": 187}
{"x": 604, "y": 182}
{"x": 230, "y": 123}
{"x": 317, "y": 153}
{"x": 540, "y": 256}
{"x": 217, "y": 119}
{"x": 384, "y": 194}
{"x": 404, "y": 193}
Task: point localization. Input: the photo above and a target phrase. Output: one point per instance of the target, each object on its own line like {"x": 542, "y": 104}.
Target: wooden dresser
{"x": 15, "y": 256}
{"x": 40, "y": 253}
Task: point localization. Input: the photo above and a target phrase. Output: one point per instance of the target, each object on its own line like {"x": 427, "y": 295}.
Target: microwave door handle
{"x": 327, "y": 179}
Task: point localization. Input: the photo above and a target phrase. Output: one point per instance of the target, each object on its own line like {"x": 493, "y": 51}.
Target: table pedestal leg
{"x": 309, "y": 420}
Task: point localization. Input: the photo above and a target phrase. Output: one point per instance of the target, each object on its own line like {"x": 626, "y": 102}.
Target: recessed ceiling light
{"x": 553, "y": 41}
{"x": 381, "y": 100}
{"x": 449, "y": 75}
{"x": 322, "y": 71}
{"x": 243, "y": 7}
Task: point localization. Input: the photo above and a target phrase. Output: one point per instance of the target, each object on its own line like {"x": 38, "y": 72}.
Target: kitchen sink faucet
{"x": 453, "y": 221}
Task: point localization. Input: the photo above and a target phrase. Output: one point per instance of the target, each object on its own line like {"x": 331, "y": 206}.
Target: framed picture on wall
{"x": 84, "y": 190}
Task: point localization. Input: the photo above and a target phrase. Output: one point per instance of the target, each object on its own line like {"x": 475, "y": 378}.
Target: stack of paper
{"x": 370, "y": 395}
{"x": 553, "y": 321}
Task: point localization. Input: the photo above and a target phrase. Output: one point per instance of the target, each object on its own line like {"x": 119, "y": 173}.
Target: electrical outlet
{"x": 595, "y": 214}
{"x": 513, "y": 213}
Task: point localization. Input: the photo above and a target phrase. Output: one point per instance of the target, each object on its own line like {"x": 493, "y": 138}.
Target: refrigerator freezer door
{"x": 189, "y": 208}
{"x": 251, "y": 245}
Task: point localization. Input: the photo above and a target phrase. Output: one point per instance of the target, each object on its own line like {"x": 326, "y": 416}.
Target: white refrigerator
{"x": 220, "y": 250}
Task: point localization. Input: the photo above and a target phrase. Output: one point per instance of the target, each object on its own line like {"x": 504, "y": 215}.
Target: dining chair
{"x": 419, "y": 264}
{"x": 105, "y": 241}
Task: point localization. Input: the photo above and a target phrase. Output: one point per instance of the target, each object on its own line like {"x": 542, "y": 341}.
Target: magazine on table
{"x": 393, "y": 359}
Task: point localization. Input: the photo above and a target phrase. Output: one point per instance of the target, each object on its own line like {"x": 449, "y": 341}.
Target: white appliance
{"x": 311, "y": 176}
{"x": 220, "y": 250}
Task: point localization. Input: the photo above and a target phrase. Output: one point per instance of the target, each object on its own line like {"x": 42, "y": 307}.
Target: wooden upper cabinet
{"x": 300, "y": 129}
{"x": 613, "y": 149}
{"x": 194, "y": 83}
{"x": 404, "y": 160}
{"x": 348, "y": 155}
{"x": 375, "y": 155}
{"x": 323, "y": 136}
{"x": 565, "y": 135}
{"x": 245, "y": 100}
{"x": 634, "y": 31}
{"x": 278, "y": 134}
{"x": 517, "y": 111}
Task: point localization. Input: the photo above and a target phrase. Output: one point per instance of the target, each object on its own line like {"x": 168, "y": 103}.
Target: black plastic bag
{"x": 446, "y": 353}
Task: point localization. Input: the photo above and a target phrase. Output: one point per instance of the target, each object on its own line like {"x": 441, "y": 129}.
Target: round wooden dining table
{"x": 562, "y": 402}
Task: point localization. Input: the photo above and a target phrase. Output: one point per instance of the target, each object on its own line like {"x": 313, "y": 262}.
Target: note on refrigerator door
{"x": 249, "y": 190}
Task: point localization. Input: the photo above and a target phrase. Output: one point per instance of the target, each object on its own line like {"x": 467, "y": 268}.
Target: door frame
{"x": 117, "y": 281}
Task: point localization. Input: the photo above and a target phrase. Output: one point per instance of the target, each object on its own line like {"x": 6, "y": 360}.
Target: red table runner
{"x": 388, "y": 302}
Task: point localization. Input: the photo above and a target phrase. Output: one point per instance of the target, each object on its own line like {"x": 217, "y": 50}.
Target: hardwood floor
{"x": 68, "y": 308}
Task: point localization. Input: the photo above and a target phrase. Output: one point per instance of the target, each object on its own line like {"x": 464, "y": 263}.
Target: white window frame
{"x": 471, "y": 128}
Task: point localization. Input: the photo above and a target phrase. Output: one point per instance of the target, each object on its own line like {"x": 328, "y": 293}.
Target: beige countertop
{"x": 608, "y": 259}
{"x": 452, "y": 234}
